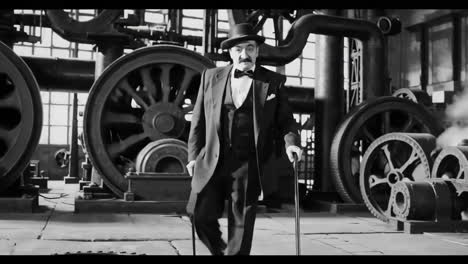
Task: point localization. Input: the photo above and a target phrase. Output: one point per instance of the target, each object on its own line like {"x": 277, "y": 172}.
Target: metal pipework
{"x": 73, "y": 75}
{"x": 78, "y": 31}
{"x": 365, "y": 31}
{"x": 55, "y": 74}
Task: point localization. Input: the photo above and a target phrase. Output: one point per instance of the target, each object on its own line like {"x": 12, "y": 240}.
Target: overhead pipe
{"x": 365, "y": 31}
{"x": 66, "y": 75}
{"x": 73, "y": 75}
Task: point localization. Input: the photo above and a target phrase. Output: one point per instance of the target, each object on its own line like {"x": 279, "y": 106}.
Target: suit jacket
{"x": 273, "y": 118}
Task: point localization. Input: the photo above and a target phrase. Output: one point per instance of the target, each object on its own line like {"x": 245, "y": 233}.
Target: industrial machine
{"x": 137, "y": 116}
{"x": 404, "y": 178}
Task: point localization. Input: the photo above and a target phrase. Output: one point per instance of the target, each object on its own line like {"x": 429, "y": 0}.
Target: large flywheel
{"x": 393, "y": 158}
{"x": 140, "y": 98}
{"x": 362, "y": 126}
{"x": 20, "y": 116}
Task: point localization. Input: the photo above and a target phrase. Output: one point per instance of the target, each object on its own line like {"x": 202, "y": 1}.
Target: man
{"x": 239, "y": 111}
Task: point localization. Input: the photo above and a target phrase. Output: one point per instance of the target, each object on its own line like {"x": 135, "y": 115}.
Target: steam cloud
{"x": 457, "y": 115}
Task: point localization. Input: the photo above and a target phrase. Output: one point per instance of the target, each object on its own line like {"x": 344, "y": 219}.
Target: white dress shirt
{"x": 240, "y": 88}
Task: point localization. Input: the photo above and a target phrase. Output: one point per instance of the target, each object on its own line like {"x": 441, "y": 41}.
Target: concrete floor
{"x": 56, "y": 229}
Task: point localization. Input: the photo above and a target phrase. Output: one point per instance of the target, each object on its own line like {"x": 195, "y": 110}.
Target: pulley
{"x": 389, "y": 160}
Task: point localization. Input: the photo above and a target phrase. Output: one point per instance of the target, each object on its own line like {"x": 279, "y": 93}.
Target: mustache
{"x": 245, "y": 60}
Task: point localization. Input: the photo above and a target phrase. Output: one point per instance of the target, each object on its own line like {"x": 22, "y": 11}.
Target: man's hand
{"x": 294, "y": 149}
{"x": 190, "y": 167}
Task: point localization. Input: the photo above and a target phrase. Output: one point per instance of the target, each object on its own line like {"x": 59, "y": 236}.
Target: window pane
{"x": 192, "y": 32}
{"x": 45, "y": 114}
{"x": 85, "y": 55}
{"x": 464, "y": 39}
{"x": 192, "y": 23}
{"x": 59, "y": 98}
{"x": 413, "y": 60}
{"x": 309, "y": 50}
{"x": 45, "y": 97}
{"x": 308, "y": 68}
{"x": 58, "y": 135}
{"x": 440, "y": 53}
{"x": 268, "y": 28}
{"x": 193, "y": 12}
{"x": 58, "y": 114}
{"x": 60, "y": 53}
{"x": 293, "y": 68}
{"x": 292, "y": 81}
{"x": 44, "y": 139}
{"x": 42, "y": 52}
{"x": 308, "y": 82}
{"x": 45, "y": 37}
{"x": 286, "y": 27}
{"x": 82, "y": 98}
{"x": 22, "y": 50}
{"x": 154, "y": 17}
{"x": 223, "y": 26}
{"x": 58, "y": 41}
{"x": 85, "y": 46}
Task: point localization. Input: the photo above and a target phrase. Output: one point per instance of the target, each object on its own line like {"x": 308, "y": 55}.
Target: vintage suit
{"x": 272, "y": 121}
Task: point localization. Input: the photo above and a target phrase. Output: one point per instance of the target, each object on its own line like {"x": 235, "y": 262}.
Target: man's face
{"x": 244, "y": 55}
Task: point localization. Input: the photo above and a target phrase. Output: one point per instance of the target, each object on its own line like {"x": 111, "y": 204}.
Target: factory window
{"x": 464, "y": 51}
{"x": 57, "y": 116}
{"x": 413, "y": 59}
{"x": 51, "y": 44}
{"x": 440, "y": 47}
{"x": 156, "y": 16}
{"x": 435, "y": 58}
{"x": 57, "y": 106}
{"x": 192, "y": 25}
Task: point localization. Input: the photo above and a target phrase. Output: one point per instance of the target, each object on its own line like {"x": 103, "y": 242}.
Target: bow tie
{"x": 238, "y": 73}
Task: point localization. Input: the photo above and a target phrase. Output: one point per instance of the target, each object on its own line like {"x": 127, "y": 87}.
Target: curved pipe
{"x": 370, "y": 35}
{"x": 79, "y": 31}
{"x": 55, "y": 74}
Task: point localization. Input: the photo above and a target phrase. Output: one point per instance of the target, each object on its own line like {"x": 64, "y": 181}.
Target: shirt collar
{"x": 233, "y": 69}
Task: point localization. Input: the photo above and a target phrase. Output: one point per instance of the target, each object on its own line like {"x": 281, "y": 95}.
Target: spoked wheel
{"x": 416, "y": 95}
{"x": 452, "y": 164}
{"x": 142, "y": 97}
{"x": 258, "y": 17}
{"x": 390, "y": 159}
{"x": 20, "y": 116}
{"x": 362, "y": 126}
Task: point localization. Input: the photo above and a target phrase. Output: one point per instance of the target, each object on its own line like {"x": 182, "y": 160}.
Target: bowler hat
{"x": 239, "y": 33}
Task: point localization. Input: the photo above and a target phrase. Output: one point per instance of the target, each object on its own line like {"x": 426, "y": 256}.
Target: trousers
{"x": 236, "y": 181}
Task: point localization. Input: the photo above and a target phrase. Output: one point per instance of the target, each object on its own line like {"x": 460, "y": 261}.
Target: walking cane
{"x": 193, "y": 235}
{"x": 296, "y": 202}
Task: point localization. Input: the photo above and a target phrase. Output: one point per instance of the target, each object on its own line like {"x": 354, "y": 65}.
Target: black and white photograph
{"x": 223, "y": 132}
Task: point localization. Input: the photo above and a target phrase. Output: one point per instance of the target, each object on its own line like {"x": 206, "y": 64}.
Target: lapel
{"x": 217, "y": 92}
{"x": 260, "y": 86}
